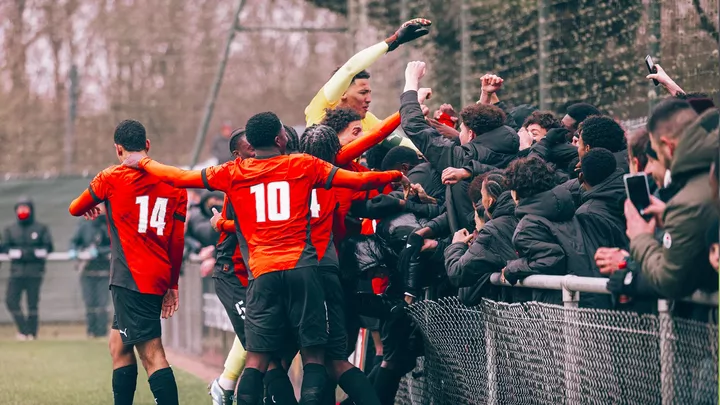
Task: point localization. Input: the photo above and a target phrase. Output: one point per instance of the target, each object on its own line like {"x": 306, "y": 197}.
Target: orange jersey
{"x": 271, "y": 197}
{"x": 323, "y": 208}
{"x": 145, "y": 222}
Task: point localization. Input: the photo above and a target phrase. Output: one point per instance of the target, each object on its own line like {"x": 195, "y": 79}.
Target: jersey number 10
{"x": 274, "y": 205}
{"x": 157, "y": 219}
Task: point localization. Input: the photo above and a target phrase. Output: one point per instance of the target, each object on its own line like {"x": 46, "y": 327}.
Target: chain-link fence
{"x": 536, "y": 353}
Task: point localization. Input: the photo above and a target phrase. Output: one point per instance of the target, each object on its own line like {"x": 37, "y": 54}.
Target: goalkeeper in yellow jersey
{"x": 349, "y": 86}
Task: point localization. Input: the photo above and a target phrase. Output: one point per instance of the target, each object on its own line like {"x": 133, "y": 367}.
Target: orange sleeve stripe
{"x": 354, "y": 149}
{"x": 226, "y": 225}
{"x": 82, "y": 204}
{"x": 172, "y": 175}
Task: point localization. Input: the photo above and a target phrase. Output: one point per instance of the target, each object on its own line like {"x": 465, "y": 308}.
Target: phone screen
{"x": 651, "y": 67}
{"x": 637, "y": 191}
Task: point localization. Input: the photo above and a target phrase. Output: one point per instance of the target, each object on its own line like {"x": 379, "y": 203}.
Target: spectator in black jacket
{"x": 601, "y": 131}
{"x": 550, "y": 140}
{"x": 469, "y": 269}
{"x": 548, "y": 238}
{"x": 92, "y": 237}
{"x": 420, "y": 173}
{"x": 576, "y": 114}
{"x": 200, "y": 237}
{"x": 27, "y": 243}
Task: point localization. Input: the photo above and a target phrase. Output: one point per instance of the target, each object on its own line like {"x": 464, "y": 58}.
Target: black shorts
{"x": 232, "y": 295}
{"x": 283, "y": 305}
{"x": 137, "y": 315}
{"x": 336, "y": 347}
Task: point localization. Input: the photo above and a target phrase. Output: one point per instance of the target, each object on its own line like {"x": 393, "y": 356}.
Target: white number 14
{"x": 157, "y": 219}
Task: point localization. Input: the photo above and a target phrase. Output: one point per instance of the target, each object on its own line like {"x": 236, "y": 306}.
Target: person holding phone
{"x": 678, "y": 265}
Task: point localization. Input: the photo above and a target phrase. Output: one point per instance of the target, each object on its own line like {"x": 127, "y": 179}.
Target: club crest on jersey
{"x": 34, "y": 235}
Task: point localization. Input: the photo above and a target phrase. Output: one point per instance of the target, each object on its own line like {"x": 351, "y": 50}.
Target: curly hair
{"x": 545, "y": 119}
{"x": 529, "y": 176}
{"x": 339, "y": 118}
{"x": 320, "y": 141}
{"x": 597, "y": 165}
{"x": 261, "y": 129}
{"x": 601, "y": 131}
{"x": 495, "y": 184}
{"x": 482, "y": 118}
{"x": 293, "y": 144}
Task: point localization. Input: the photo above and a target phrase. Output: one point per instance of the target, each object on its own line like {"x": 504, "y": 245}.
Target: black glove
{"x": 384, "y": 202}
{"x": 622, "y": 283}
{"x": 557, "y": 136}
{"x": 409, "y": 31}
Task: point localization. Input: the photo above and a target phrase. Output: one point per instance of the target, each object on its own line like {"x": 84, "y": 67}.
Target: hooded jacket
{"x": 470, "y": 268}
{"x": 554, "y": 149}
{"x": 679, "y": 265}
{"x": 199, "y": 232}
{"x": 602, "y": 214}
{"x": 94, "y": 233}
{"x": 549, "y": 240}
{"x": 28, "y": 243}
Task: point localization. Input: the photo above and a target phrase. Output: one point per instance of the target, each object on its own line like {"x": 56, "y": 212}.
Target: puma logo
{"x": 123, "y": 332}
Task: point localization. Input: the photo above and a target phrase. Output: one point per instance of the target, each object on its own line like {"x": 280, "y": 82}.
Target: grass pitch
{"x": 71, "y": 372}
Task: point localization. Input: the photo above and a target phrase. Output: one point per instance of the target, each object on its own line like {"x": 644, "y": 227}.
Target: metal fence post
{"x": 667, "y": 352}
{"x": 490, "y": 356}
{"x": 570, "y": 302}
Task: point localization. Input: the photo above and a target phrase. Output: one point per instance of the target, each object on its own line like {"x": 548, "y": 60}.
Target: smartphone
{"x": 651, "y": 67}
{"x": 637, "y": 189}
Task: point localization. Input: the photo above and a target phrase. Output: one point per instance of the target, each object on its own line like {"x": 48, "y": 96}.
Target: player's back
{"x": 272, "y": 198}
{"x": 323, "y": 209}
{"x": 141, "y": 211}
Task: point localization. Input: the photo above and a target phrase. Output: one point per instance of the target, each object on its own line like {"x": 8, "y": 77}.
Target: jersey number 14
{"x": 272, "y": 201}
{"x": 157, "y": 219}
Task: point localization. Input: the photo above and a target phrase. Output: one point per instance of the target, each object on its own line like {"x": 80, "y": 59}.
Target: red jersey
{"x": 227, "y": 250}
{"x": 145, "y": 222}
{"x": 323, "y": 209}
{"x": 273, "y": 195}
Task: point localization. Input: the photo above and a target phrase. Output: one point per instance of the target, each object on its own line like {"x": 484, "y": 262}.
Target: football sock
{"x": 314, "y": 378}
{"x": 163, "y": 387}
{"x": 279, "y": 388}
{"x": 328, "y": 395}
{"x": 373, "y": 373}
{"x": 386, "y": 385}
{"x": 234, "y": 365}
{"x": 358, "y": 387}
{"x": 124, "y": 381}
{"x": 250, "y": 389}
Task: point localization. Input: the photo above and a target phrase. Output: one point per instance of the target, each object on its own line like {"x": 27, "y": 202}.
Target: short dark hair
{"x": 580, "y": 111}
{"x": 130, "y": 134}
{"x": 320, "y": 141}
{"x": 529, "y": 176}
{"x": 339, "y": 118}
{"x": 375, "y": 156}
{"x": 482, "y": 118}
{"x": 663, "y": 113}
{"x": 293, "y": 144}
{"x": 261, "y": 129}
{"x": 495, "y": 184}
{"x": 601, "y": 131}
{"x": 397, "y": 156}
{"x": 546, "y": 120}
{"x": 597, "y": 165}
{"x": 235, "y": 136}
{"x": 363, "y": 74}
{"x": 638, "y": 142}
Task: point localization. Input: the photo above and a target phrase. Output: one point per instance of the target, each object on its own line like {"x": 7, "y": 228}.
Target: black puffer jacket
{"x": 601, "y": 214}
{"x": 496, "y": 148}
{"x": 94, "y": 233}
{"x": 470, "y": 268}
{"x": 199, "y": 233}
{"x": 549, "y": 240}
{"x": 554, "y": 149}
{"x": 27, "y": 242}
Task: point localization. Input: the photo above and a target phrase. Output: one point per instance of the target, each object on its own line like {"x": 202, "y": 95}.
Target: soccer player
{"x": 146, "y": 223}
{"x": 349, "y": 86}
{"x": 273, "y": 192}
{"x": 231, "y": 280}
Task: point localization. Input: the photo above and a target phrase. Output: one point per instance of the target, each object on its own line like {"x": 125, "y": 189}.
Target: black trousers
{"x": 27, "y": 325}
{"x": 96, "y": 296}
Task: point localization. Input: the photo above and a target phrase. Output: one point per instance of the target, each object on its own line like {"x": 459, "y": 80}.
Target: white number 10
{"x": 275, "y": 204}
{"x": 157, "y": 219}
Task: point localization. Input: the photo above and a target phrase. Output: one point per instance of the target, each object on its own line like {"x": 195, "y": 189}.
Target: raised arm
{"x": 172, "y": 175}
{"x": 363, "y": 181}
{"x": 357, "y": 147}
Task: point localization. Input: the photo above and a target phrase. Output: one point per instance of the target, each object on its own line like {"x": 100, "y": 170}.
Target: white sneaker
{"x": 31, "y": 337}
{"x": 219, "y": 395}
{"x": 21, "y": 337}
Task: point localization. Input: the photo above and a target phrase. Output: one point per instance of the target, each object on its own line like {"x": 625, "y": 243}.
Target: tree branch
{"x": 705, "y": 23}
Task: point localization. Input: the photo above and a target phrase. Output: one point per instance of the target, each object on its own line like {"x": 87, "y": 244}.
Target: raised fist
{"x": 491, "y": 83}
{"x": 415, "y": 70}
{"x": 409, "y": 31}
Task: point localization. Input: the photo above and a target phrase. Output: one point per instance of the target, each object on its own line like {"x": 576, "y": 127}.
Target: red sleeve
{"x": 177, "y": 239}
{"x": 354, "y": 149}
{"x": 225, "y": 225}
{"x": 363, "y": 181}
{"x": 211, "y": 178}
{"x": 94, "y": 195}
